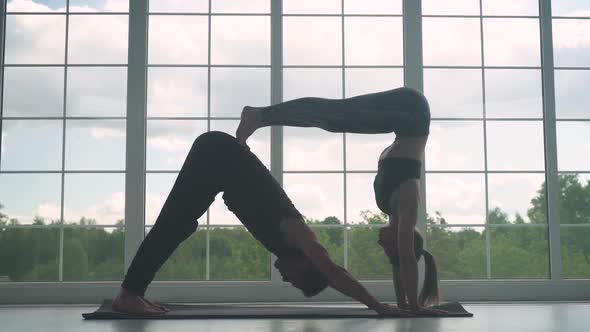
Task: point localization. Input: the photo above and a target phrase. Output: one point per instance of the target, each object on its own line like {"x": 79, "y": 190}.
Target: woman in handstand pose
{"x": 405, "y": 112}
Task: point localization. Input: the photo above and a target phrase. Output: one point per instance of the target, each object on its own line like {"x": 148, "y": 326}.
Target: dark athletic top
{"x": 391, "y": 172}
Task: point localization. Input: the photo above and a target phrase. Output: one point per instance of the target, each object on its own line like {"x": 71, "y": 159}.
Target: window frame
{"x": 554, "y": 288}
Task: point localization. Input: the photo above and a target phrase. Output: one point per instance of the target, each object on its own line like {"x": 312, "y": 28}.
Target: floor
{"x": 513, "y": 317}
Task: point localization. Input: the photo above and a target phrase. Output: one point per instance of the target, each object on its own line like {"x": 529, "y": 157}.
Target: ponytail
{"x": 429, "y": 295}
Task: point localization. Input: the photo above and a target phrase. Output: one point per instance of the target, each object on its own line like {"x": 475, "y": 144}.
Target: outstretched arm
{"x": 407, "y": 207}
{"x": 338, "y": 278}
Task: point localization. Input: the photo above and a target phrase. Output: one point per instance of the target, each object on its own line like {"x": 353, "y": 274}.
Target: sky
{"x": 454, "y": 145}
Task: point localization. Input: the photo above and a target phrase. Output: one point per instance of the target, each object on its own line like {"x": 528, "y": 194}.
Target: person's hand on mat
{"x": 128, "y": 302}
{"x": 249, "y": 122}
{"x": 426, "y": 311}
{"x": 391, "y": 310}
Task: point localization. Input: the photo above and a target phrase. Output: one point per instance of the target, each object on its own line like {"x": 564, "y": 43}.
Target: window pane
{"x": 510, "y": 7}
{"x": 515, "y": 145}
{"x": 573, "y": 145}
{"x": 316, "y": 196}
{"x": 240, "y": 40}
{"x": 41, "y": 140}
{"x": 169, "y": 141}
{"x": 451, "y": 41}
{"x": 456, "y": 198}
{"x": 42, "y": 205}
{"x": 305, "y": 82}
{"x": 373, "y": 41}
{"x": 360, "y": 199}
{"x": 312, "y": 7}
{"x": 574, "y": 193}
{"x": 240, "y": 6}
{"x": 513, "y": 93}
{"x": 570, "y": 8}
{"x": 571, "y": 93}
{"x": 519, "y": 252}
{"x": 157, "y": 188}
{"x": 366, "y": 258}
{"x": 462, "y": 99}
{"x": 98, "y": 39}
{"x": 93, "y": 254}
{"x": 234, "y": 88}
{"x": 516, "y": 198}
{"x": 95, "y": 145}
{"x": 361, "y": 81}
{"x": 33, "y": 91}
{"x": 177, "y": 92}
{"x": 31, "y": 6}
{"x": 450, "y": 7}
{"x": 363, "y": 151}
{"x": 259, "y": 142}
{"x": 102, "y": 204}
{"x": 460, "y": 252}
{"x": 179, "y": 6}
{"x": 188, "y": 262}
{"x": 571, "y": 42}
{"x": 178, "y": 40}
{"x": 380, "y": 7}
{"x": 307, "y": 149}
{"x": 219, "y": 214}
{"x": 522, "y": 48}
{"x": 312, "y": 40}
{"x": 29, "y": 254}
{"x": 103, "y": 95}
{"x": 99, "y": 5}
{"x": 236, "y": 255}
{"x": 575, "y": 248}
{"x": 35, "y": 39}
{"x": 332, "y": 239}
{"x": 455, "y": 145}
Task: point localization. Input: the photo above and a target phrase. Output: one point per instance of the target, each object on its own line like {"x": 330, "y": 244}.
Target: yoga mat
{"x": 243, "y": 311}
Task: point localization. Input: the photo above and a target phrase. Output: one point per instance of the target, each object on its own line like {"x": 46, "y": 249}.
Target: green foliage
{"x": 93, "y": 253}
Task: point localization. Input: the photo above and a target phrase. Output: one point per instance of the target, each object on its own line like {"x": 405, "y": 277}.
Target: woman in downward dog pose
{"x": 405, "y": 112}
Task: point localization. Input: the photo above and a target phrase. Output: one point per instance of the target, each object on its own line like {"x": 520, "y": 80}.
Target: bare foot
{"x": 128, "y": 302}
{"x": 157, "y": 305}
{"x": 250, "y": 121}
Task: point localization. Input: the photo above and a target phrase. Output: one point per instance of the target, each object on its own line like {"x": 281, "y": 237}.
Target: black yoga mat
{"x": 243, "y": 311}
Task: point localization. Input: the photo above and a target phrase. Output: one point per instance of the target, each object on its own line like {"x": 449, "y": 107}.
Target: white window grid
{"x": 413, "y": 76}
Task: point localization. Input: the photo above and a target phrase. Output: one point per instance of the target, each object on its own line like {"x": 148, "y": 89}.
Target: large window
{"x": 571, "y": 45}
{"x": 485, "y": 160}
{"x": 204, "y": 65}
{"x": 506, "y": 82}
{"x": 63, "y": 141}
{"x": 339, "y": 50}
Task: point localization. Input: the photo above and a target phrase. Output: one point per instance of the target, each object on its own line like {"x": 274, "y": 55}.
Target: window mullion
{"x": 549, "y": 123}
{"x": 414, "y": 77}
{"x": 276, "y": 95}
{"x": 136, "y": 129}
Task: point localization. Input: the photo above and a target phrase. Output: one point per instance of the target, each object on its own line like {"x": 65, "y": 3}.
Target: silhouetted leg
{"x": 195, "y": 188}
{"x": 383, "y": 112}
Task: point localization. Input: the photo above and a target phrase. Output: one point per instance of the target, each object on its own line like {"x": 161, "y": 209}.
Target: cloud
{"x": 106, "y": 211}
{"x": 170, "y": 143}
{"x": 48, "y": 211}
{"x": 571, "y": 33}
{"x": 105, "y": 132}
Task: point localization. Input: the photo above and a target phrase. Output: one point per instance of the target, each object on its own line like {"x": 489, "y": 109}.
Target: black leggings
{"x": 215, "y": 163}
{"x": 404, "y": 111}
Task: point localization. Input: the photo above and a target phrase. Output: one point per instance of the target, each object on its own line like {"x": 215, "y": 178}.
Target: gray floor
{"x": 538, "y": 317}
